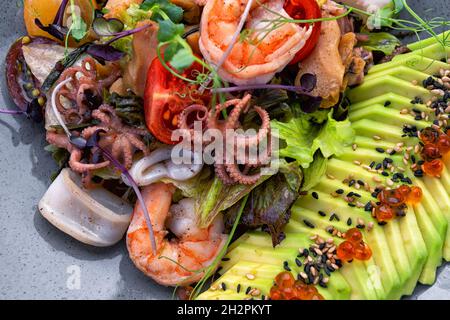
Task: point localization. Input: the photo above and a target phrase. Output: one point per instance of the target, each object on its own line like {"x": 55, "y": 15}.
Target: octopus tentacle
{"x": 241, "y": 177}
{"x": 137, "y": 143}
{"x": 223, "y": 175}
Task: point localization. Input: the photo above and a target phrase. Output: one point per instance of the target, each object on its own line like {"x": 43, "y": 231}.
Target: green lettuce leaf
{"x": 313, "y": 174}
{"x": 381, "y": 41}
{"x": 303, "y": 137}
{"x": 211, "y": 195}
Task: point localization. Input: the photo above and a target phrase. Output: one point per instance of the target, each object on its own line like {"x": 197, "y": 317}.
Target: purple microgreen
{"x": 33, "y": 112}
{"x": 297, "y": 89}
{"x": 78, "y": 142}
{"x": 56, "y": 28}
{"x": 127, "y": 33}
{"x": 308, "y": 82}
{"x": 107, "y": 27}
{"x": 12, "y": 112}
{"x": 104, "y": 52}
{"x": 94, "y": 142}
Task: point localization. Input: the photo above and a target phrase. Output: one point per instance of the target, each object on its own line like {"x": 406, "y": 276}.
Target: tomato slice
{"x": 166, "y": 96}
{"x": 305, "y": 10}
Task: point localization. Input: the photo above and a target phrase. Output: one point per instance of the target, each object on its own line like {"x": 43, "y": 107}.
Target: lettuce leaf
{"x": 313, "y": 174}
{"x": 381, "y": 41}
{"x": 303, "y": 138}
{"x": 211, "y": 195}
{"x": 268, "y": 205}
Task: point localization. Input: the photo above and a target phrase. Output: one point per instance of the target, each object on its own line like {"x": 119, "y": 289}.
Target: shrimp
{"x": 269, "y": 47}
{"x": 182, "y": 259}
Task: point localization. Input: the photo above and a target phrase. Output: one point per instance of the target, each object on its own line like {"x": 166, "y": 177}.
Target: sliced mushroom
{"x": 95, "y": 217}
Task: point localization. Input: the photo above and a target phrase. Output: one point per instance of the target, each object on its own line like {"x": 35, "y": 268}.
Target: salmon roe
{"x": 394, "y": 202}
{"x": 436, "y": 145}
{"x": 287, "y": 288}
{"x": 354, "y": 247}
{"x": 433, "y": 168}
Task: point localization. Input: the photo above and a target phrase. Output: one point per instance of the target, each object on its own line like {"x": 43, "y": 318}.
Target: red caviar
{"x": 393, "y": 202}
{"x": 433, "y": 168}
{"x": 287, "y": 288}
{"x": 437, "y": 144}
{"x": 353, "y": 235}
{"x": 346, "y": 251}
{"x": 444, "y": 143}
{"x": 429, "y": 135}
{"x": 354, "y": 247}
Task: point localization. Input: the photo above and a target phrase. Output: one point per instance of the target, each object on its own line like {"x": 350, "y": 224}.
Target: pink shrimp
{"x": 268, "y": 48}
{"x": 180, "y": 260}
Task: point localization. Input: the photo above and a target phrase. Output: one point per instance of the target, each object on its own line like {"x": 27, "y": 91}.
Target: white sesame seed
{"x": 250, "y": 276}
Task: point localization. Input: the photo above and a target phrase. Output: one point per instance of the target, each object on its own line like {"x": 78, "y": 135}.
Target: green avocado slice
{"x": 375, "y": 87}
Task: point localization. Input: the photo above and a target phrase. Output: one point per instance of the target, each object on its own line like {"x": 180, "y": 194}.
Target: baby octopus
{"x": 119, "y": 139}
{"x": 229, "y": 171}
{"x": 71, "y": 99}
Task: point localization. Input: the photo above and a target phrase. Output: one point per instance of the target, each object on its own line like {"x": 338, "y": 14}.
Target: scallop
{"x": 95, "y": 217}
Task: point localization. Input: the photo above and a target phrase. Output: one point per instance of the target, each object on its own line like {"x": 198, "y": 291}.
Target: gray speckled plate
{"x": 37, "y": 261}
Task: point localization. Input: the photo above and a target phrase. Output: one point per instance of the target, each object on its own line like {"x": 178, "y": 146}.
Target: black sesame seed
{"x": 238, "y": 289}
{"x": 351, "y": 205}
{"x": 286, "y": 266}
{"x": 315, "y": 195}
{"x": 384, "y": 173}
{"x": 310, "y": 278}
{"x": 368, "y": 207}
{"x": 322, "y": 214}
{"x": 349, "y": 221}
{"x": 360, "y": 182}
{"x": 340, "y": 191}
{"x": 360, "y": 226}
{"x": 248, "y": 290}
{"x": 305, "y": 252}
{"x": 298, "y": 262}
{"x": 225, "y": 259}
{"x": 380, "y": 150}
{"x": 387, "y": 103}
{"x": 351, "y": 183}
{"x": 378, "y": 167}
{"x": 223, "y": 286}
{"x": 382, "y": 223}
{"x": 323, "y": 284}
{"x": 372, "y": 164}
{"x": 309, "y": 224}
{"x": 334, "y": 216}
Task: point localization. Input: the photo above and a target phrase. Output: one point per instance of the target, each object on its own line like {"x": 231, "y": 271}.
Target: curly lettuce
{"x": 303, "y": 138}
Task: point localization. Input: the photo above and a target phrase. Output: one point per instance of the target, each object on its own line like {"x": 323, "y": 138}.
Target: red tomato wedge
{"x": 166, "y": 96}
{"x": 305, "y": 10}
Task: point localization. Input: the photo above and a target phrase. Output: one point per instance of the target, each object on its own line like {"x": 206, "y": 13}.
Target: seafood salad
{"x": 246, "y": 149}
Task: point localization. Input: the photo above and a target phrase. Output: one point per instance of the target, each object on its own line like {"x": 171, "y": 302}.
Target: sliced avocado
{"x": 253, "y": 254}
{"x": 386, "y": 115}
{"x": 414, "y": 61}
{"x": 428, "y": 41}
{"x": 369, "y": 128}
{"x": 395, "y": 101}
{"x": 378, "y": 86}
{"x": 436, "y": 51}
{"x": 432, "y": 222}
{"x": 400, "y": 72}
{"x": 356, "y": 274}
{"x": 406, "y": 265}
{"x": 376, "y": 239}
